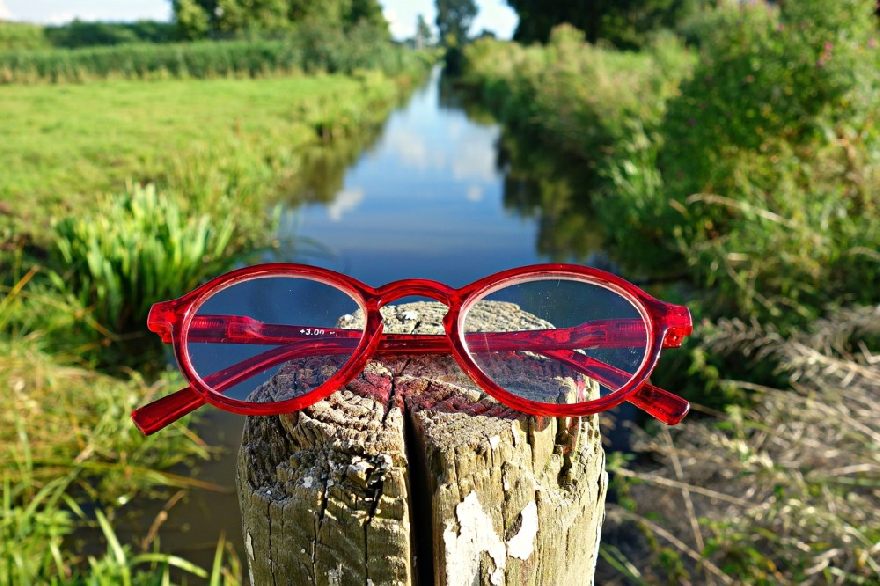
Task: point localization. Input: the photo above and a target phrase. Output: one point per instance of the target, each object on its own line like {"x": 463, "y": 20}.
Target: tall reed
{"x": 305, "y": 51}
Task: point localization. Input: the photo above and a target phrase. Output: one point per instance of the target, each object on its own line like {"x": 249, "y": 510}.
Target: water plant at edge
{"x": 139, "y": 247}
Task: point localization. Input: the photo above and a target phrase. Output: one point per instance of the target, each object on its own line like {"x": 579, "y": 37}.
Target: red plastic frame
{"x": 175, "y": 322}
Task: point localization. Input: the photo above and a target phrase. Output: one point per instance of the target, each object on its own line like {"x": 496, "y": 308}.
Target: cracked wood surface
{"x": 412, "y": 475}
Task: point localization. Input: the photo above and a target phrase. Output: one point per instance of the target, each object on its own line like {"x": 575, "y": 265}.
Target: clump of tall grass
{"x": 139, "y": 247}
{"x": 67, "y": 421}
{"x": 786, "y": 491}
{"x": 32, "y": 547}
{"x": 306, "y": 50}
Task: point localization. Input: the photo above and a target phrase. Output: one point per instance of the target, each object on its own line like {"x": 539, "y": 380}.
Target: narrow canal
{"x": 437, "y": 194}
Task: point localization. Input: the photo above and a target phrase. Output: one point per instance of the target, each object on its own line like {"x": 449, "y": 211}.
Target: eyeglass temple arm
{"x": 158, "y": 414}
{"x": 661, "y": 404}
{"x": 163, "y": 412}
{"x": 656, "y": 402}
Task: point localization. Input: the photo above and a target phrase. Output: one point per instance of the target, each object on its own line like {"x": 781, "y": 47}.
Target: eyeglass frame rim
{"x": 661, "y": 318}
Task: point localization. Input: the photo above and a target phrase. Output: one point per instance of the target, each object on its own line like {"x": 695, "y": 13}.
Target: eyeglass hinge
{"x": 678, "y": 325}
{"x": 161, "y": 320}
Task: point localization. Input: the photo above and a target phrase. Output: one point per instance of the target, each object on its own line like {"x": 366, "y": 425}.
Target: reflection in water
{"x": 540, "y": 186}
{"x": 320, "y": 176}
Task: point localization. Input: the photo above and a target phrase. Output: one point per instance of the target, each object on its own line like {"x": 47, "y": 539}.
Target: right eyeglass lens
{"x": 270, "y": 339}
{"x": 555, "y": 339}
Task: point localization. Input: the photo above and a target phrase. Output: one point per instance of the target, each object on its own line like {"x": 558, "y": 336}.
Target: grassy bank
{"x": 781, "y": 492}
{"x": 115, "y": 194}
{"x": 70, "y": 460}
{"x": 177, "y": 133}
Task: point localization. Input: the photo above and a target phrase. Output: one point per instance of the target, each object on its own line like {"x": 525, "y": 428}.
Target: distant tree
{"x": 454, "y": 19}
{"x": 622, "y": 22}
{"x": 201, "y": 18}
{"x": 193, "y": 21}
{"x": 233, "y": 16}
{"x": 367, "y": 12}
{"x": 423, "y": 32}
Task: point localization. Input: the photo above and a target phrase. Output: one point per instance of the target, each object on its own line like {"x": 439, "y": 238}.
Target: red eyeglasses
{"x": 276, "y": 338}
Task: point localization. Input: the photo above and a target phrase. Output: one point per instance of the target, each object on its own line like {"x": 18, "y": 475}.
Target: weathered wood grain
{"x": 413, "y": 475}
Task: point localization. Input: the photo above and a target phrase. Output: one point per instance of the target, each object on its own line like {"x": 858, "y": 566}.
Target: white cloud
{"x": 346, "y": 201}
{"x": 399, "y": 28}
{"x": 410, "y": 147}
{"x": 475, "y": 162}
{"x": 475, "y": 193}
{"x": 496, "y": 16}
{"x": 58, "y": 11}
{"x": 4, "y": 12}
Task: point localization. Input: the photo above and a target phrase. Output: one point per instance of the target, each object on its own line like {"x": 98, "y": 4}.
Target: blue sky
{"x": 494, "y": 15}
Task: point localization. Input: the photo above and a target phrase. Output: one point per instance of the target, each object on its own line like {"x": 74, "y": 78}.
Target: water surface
{"x": 429, "y": 199}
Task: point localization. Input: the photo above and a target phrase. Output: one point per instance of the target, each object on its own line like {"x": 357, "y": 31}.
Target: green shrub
{"x": 80, "y": 33}
{"x": 757, "y": 177}
{"x": 22, "y": 36}
{"x": 580, "y": 97}
{"x": 769, "y": 156}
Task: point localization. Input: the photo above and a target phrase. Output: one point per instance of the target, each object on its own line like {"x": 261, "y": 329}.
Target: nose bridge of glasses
{"x": 416, "y": 288}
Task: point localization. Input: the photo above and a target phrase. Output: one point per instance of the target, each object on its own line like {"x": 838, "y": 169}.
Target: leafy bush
{"x": 22, "y": 36}
{"x": 758, "y": 176}
{"x": 80, "y": 33}
{"x": 772, "y": 146}
{"x": 582, "y": 98}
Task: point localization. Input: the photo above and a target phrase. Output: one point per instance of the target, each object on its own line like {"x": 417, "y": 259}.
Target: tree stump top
{"x": 411, "y": 474}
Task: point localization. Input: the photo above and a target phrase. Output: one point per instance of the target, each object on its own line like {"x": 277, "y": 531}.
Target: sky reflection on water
{"x": 425, "y": 201}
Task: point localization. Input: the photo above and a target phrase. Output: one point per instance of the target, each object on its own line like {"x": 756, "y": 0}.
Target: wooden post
{"x": 413, "y": 475}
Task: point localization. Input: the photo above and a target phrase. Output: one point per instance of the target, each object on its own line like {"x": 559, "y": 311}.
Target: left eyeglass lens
{"x": 272, "y": 339}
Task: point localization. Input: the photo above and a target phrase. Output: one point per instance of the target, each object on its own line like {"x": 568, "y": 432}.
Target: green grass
{"x": 66, "y": 446}
{"x": 63, "y": 145}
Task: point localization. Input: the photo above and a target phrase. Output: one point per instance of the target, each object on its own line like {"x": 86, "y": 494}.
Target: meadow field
{"x": 118, "y": 189}
{"x": 64, "y": 145}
